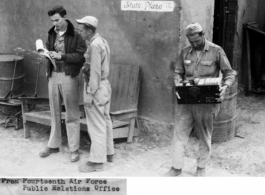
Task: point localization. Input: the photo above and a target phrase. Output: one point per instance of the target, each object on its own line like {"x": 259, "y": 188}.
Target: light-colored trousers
{"x": 201, "y": 118}
{"x": 99, "y": 123}
{"x": 66, "y": 88}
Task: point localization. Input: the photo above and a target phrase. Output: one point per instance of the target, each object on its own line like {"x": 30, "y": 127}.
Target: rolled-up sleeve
{"x": 226, "y": 69}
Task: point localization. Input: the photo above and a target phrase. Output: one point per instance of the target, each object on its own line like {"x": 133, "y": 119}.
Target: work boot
{"x": 200, "y": 172}
{"x": 90, "y": 167}
{"x": 47, "y": 151}
{"x": 173, "y": 172}
{"x": 74, "y": 156}
{"x": 110, "y": 158}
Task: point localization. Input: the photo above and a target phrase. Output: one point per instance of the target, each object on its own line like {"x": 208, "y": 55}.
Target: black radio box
{"x": 200, "y": 92}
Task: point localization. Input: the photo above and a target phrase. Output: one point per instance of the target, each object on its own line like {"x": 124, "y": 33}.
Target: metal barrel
{"x": 11, "y": 75}
{"x": 224, "y": 124}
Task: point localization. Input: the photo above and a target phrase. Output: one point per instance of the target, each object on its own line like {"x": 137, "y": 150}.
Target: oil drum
{"x": 224, "y": 124}
{"x": 11, "y": 75}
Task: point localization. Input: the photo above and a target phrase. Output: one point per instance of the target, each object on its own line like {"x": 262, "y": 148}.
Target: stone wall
{"x": 149, "y": 39}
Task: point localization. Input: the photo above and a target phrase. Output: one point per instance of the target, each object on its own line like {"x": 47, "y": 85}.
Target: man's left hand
{"x": 88, "y": 98}
{"x": 222, "y": 93}
{"x": 55, "y": 55}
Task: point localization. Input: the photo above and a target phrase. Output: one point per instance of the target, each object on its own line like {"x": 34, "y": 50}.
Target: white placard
{"x": 155, "y": 6}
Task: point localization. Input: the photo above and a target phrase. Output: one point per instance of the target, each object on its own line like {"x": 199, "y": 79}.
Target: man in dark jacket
{"x": 67, "y": 47}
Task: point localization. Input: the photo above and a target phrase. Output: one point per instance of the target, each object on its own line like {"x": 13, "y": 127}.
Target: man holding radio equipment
{"x": 201, "y": 60}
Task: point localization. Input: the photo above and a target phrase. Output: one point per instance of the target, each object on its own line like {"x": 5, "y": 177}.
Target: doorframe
{"x": 225, "y": 26}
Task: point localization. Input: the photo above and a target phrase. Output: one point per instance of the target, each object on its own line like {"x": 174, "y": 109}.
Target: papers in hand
{"x": 44, "y": 52}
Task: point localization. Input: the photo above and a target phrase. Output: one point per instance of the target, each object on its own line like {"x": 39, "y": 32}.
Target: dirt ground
{"x": 147, "y": 156}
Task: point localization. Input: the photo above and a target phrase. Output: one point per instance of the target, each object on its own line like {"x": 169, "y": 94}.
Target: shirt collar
{"x": 95, "y": 36}
{"x": 206, "y": 46}
{"x": 60, "y": 33}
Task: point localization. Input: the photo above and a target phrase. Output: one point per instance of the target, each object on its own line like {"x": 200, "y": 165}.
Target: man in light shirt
{"x": 201, "y": 59}
{"x": 97, "y": 94}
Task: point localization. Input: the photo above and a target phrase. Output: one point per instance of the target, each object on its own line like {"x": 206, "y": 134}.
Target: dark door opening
{"x": 220, "y": 22}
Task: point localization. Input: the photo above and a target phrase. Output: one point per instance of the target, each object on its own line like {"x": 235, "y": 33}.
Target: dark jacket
{"x": 75, "y": 47}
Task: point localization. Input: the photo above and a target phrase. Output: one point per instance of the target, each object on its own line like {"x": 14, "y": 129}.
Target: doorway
{"x": 220, "y": 22}
{"x": 225, "y": 24}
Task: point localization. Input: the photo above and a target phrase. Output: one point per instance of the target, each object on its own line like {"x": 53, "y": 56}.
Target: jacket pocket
{"x": 207, "y": 68}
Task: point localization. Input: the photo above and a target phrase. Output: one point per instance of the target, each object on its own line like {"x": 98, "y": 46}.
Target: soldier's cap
{"x": 193, "y": 29}
{"x": 88, "y": 20}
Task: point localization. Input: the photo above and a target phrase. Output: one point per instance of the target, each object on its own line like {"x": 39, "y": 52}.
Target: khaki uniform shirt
{"x": 98, "y": 56}
{"x": 212, "y": 62}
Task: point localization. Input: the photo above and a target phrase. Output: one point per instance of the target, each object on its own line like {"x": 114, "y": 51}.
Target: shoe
{"x": 200, "y": 172}
{"x": 110, "y": 158}
{"x": 173, "y": 172}
{"x": 74, "y": 156}
{"x": 90, "y": 167}
{"x": 47, "y": 151}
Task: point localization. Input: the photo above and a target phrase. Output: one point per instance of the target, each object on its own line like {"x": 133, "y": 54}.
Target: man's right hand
{"x": 86, "y": 73}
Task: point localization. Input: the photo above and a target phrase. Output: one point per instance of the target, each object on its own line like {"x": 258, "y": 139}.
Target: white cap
{"x": 89, "y": 20}
{"x": 193, "y": 29}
